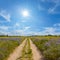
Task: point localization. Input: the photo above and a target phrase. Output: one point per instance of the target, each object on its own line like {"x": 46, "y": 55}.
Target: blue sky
{"x": 43, "y": 19}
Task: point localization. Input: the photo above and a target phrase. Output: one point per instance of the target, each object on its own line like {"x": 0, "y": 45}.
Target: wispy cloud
{"x": 46, "y": 31}
{"x": 54, "y": 1}
{"x": 22, "y": 31}
{"x": 50, "y": 30}
{"x": 26, "y": 31}
{"x": 57, "y": 25}
{"x": 5, "y": 15}
{"x": 26, "y": 28}
{"x": 17, "y": 25}
{"x": 4, "y": 30}
{"x": 53, "y": 8}
{"x": 4, "y": 27}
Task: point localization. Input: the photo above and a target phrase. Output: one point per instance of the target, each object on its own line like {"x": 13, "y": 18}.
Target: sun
{"x": 25, "y": 13}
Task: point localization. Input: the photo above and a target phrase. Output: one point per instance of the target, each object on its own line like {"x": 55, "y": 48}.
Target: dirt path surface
{"x": 36, "y": 54}
{"x": 26, "y": 51}
{"x": 17, "y": 52}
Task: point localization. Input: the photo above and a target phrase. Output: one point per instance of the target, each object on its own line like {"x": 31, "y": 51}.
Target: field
{"x": 7, "y": 45}
{"x": 30, "y": 48}
{"x": 49, "y": 46}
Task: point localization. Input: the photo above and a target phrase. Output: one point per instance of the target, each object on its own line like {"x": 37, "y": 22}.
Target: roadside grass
{"x": 50, "y": 47}
{"x": 7, "y": 47}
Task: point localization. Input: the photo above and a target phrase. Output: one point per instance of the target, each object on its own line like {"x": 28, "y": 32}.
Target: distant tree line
{"x": 3, "y": 35}
{"x": 31, "y": 35}
{"x": 47, "y": 35}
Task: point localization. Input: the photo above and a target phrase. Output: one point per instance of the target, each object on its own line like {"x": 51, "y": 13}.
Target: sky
{"x": 43, "y": 17}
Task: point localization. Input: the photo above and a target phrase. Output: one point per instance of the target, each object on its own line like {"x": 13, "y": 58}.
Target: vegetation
{"x": 26, "y": 52}
{"x": 7, "y": 47}
{"x": 49, "y": 46}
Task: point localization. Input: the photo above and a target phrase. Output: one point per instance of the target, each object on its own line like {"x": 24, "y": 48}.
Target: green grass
{"x": 49, "y": 46}
{"x": 7, "y": 47}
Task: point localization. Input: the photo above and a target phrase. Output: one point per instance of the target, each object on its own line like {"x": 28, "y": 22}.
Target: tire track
{"x": 17, "y": 52}
{"x": 26, "y": 51}
{"x": 36, "y": 54}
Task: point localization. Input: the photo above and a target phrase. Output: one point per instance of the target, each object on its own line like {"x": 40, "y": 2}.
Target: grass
{"x": 49, "y": 46}
{"x": 7, "y": 47}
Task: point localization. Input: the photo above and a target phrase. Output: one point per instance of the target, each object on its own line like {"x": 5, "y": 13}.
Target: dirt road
{"x": 26, "y": 51}
{"x": 17, "y": 52}
{"x": 36, "y": 54}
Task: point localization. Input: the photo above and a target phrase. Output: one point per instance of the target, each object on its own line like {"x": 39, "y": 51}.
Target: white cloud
{"x": 27, "y": 31}
{"x": 52, "y": 9}
{"x": 46, "y": 31}
{"x": 5, "y": 15}
{"x": 53, "y": 1}
{"x": 17, "y": 25}
{"x": 26, "y": 28}
{"x": 57, "y": 24}
{"x": 3, "y": 33}
{"x": 4, "y": 27}
{"x": 22, "y": 31}
{"x": 50, "y": 30}
{"x": 4, "y": 30}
